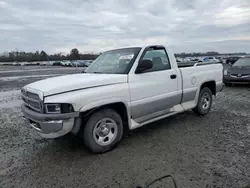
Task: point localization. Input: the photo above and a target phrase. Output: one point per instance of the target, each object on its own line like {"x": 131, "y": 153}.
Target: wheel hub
{"x": 104, "y": 130}
{"x": 205, "y": 102}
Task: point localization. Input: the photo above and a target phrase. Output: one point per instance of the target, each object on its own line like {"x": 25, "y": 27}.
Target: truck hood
{"x": 56, "y": 85}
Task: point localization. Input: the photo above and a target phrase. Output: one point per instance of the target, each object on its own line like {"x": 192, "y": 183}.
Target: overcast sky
{"x": 98, "y": 25}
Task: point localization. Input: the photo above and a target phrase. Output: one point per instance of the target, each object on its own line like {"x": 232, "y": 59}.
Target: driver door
{"x": 153, "y": 92}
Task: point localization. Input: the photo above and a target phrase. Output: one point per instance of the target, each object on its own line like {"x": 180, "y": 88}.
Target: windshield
{"x": 244, "y": 62}
{"x": 114, "y": 62}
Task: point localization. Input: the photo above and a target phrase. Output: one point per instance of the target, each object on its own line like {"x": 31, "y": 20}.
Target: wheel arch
{"x": 119, "y": 106}
{"x": 209, "y": 84}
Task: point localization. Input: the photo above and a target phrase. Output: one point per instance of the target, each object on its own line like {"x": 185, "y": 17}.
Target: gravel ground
{"x": 15, "y": 77}
{"x": 211, "y": 151}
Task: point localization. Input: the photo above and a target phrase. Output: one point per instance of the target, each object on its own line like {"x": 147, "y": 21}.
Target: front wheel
{"x": 103, "y": 131}
{"x": 204, "y": 102}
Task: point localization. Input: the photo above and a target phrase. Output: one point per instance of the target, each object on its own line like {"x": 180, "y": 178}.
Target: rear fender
{"x": 199, "y": 89}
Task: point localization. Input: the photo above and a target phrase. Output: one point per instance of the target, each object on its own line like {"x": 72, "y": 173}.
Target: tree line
{"x": 76, "y": 55}
{"x": 21, "y": 56}
{"x": 212, "y": 53}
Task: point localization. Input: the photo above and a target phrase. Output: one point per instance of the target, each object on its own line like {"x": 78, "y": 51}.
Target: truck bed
{"x": 194, "y": 76}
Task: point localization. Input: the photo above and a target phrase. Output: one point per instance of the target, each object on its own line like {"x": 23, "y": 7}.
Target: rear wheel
{"x": 204, "y": 102}
{"x": 103, "y": 131}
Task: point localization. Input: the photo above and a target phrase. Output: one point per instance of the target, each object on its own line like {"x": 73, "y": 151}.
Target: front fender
{"x": 100, "y": 103}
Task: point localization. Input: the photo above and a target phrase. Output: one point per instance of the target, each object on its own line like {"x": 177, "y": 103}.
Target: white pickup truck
{"x": 123, "y": 89}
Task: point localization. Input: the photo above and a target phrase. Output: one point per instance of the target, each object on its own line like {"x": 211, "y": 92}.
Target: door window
{"x": 159, "y": 58}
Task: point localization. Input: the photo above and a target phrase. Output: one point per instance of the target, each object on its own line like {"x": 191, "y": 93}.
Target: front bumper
{"x": 229, "y": 79}
{"x": 50, "y": 125}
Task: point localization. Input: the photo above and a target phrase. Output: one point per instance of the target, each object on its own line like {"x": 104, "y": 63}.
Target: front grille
{"x": 31, "y": 100}
{"x": 35, "y": 104}
{"x": 32, "y": 95}
{"x": 239, "y": 75}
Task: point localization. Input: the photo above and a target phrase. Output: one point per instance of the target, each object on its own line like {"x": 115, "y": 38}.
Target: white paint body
{"x": 138, "y": 92}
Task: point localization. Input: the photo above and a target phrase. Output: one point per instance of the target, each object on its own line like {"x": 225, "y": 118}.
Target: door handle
{"x": 173, "y": 76}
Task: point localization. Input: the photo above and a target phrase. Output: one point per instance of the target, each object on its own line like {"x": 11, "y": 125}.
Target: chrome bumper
{"x": 49, "y": 125}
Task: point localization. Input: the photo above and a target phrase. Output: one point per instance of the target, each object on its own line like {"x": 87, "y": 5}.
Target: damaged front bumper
{"x": 50, "y": 125}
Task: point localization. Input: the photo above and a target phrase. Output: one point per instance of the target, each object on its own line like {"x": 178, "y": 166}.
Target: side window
{"x": 159, "y": 58}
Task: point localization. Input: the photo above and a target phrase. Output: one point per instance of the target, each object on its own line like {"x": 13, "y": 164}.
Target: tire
{"x": 204, "y": 102}
{"x": 103, "y": 131}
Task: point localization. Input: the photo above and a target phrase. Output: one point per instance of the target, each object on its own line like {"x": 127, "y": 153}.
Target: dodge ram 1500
{"x": 122, "y": 89}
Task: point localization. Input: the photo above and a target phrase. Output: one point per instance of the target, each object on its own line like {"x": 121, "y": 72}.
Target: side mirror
{"x": 144, "y": 65}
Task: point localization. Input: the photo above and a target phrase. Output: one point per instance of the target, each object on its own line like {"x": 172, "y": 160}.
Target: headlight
{"x": 52, "y": 108}
{"x": 58, "y": 108}
{"x": 225, "y": 72}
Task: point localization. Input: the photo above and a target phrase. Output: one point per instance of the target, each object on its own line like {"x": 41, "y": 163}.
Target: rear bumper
{"x": 49, "y": 125}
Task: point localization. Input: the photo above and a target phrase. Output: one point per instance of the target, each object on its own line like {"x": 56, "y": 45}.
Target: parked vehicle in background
{"x": 47, "y": 63}
{"x": 89, "y": 62}
{"x": 15, "y": 63}
{"x": 57, "y": 63}
{"x": 195, "y": 60}
{"x": 66, "y": 63}
{"x": 43, "y": 63}
{"x": 232, "y": 60}
{"x": 211, "y": 60}
{"x": 238, "y": 73}
{"x": 220, "y": 59}
{"x": 186, "y": 59}
{"x": 223, "y": 59}
{"x": 82, "y": 63}
{"x": 24, "y": 63}
{"x": 122, "y": 89}
{"x": 74, "y": 63}
{"x": 178, "y": 60}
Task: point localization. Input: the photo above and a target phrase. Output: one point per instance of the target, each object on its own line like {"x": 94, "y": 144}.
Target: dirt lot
{"x": 211, "y": 151}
